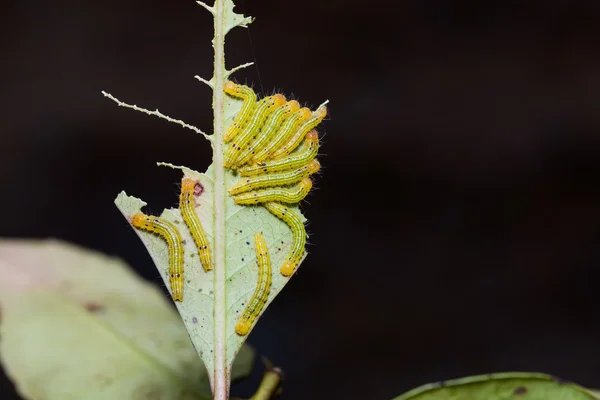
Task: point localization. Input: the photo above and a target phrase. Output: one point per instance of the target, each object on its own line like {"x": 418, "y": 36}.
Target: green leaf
{"x": 213, "y": 301}
{"x": 507, "y": 385}
{"x": 78, "y": 324}
{"x": 242, "y": 270}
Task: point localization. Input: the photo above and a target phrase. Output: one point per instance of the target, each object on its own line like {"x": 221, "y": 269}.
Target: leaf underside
{"x": 508, "y": 385}
{"x": 242, "y": 269}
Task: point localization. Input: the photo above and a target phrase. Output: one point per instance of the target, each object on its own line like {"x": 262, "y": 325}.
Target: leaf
{"x": 213, "y": 301}
{"x": 507, "y": 385}
{"x": 242, "y": 271}
{"x": 78, "y": 324}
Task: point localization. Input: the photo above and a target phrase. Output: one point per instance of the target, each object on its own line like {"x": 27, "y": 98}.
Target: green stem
{"x": 221, "y": 372}
{"x": 270, "y": 384}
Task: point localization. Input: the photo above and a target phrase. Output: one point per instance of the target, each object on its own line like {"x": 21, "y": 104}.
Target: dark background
{"x": 456, "y": 225}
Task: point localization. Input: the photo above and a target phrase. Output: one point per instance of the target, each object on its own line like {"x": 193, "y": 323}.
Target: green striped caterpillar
{"x": 168, "y": 231}
{"x": 248, "y": 105}
{"x": 285, "y": 133}
{"x": 263, "y": 288}
{"x": 299, "y": 236}
{"x": 256, "y": 120}
{"x": 298, "y": 136}
{"x": 292, "y": 194}
{"x": 275, "y": 179}
{"x": 268, "y": 131}
{"x": 187, "y": 206}
{"x": 307, "y": 152}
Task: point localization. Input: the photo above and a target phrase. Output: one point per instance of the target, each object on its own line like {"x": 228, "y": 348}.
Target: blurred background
{"x": 456, "y": 225}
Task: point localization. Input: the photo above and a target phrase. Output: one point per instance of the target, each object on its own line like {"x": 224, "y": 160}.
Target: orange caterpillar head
{"x": 287, "y": 269}
{"x": 139, "y": 220}
{"x": 304, "y": 114}
{"x": 242, "y": 327}
{"x": 277, "y": 100}
{"x": 313, "y": 167}
{"x": 188, "y": 185}
{"x": 292, "y": 106}
{"x": 312, "y": 136}
{"x": 306, "y": 183}
{"x": 230, "y": 87}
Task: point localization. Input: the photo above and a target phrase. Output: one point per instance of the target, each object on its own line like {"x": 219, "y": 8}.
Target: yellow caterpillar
{"x": 249, "y": 103}
{"x": 187, "y": 206}
{"x": 168, "y": 231}
{"x": 262, "y": 110}
{"x": 263, "y": 288}
{"x": 298, "y": 232}
{"x": 275, "y": 179}
{"x": 285, "y": 133}
{"x": 307, "y": 152}
{"x": 298, "y": 136}
{"x": 269, "y": 129}
{"x": 292, "y": 194}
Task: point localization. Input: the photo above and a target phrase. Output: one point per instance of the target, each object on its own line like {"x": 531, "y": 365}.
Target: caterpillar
{"x": 299, "y": 135}
{"x": 187, "y": 207}
{"x": 168, "y": 231}
{"x": 268, "y": 130}
{"x": 292, "y": 194}
{"x": 262, "y": 110}
{"x": 249, "y": 104}
{"x": 307, "y": 152}
{"x": 299, "y": 236}
{"x": 261, "y": 293}
{"x": 276, "y": 179}
{"x": 287, "y": 130}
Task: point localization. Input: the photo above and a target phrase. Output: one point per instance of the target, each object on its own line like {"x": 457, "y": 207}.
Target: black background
{"x": 455, "y": 226}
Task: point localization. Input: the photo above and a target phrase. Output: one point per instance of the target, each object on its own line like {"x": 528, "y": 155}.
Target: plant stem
{"x": 270, "y": 383}
{"x": 221, "y": 372}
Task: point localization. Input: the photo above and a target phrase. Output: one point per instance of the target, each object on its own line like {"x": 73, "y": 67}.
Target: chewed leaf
{"x": 78, "y": 324}
{"x": 204, "y": 248}
{"x": 508, "y": 385}
{"x": 242, "y": 222}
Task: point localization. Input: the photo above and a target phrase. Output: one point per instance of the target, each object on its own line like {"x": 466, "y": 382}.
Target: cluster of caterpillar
{"x": 169, "y": 232}
{"x": 273, "y": 146}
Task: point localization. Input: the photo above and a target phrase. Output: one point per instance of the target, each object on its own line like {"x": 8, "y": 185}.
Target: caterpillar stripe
{"x": 187, "y": 206}
{"x": 262, "y": 110}
{"x": 263, "y": 288}
{"x": 285, "y": 133}
{"x": 269, "y": 129}
{"x": 249, "y": 103}
{"x": 277, "y": 179}
{"x": 168, "y": 231}
{"x": 292, "y": 194}
{"x": 299, "y": 135}
{"x": 307, "y": 152}
{"x": 298, "y": 232}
